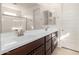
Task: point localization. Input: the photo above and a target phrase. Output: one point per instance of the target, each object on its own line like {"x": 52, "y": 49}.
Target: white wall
{"x": 71, "y": 26}
{"x": 70, "y": 17}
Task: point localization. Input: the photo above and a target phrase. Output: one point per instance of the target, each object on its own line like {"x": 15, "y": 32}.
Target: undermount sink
{"x": 5, "y": 46}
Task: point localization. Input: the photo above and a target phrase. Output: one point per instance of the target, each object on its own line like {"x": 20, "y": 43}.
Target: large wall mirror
{"x": 27, "y": 16}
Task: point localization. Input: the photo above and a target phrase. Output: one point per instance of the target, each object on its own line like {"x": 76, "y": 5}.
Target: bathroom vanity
{"x": 26, "y": 34}
{"x": 36, "y": 42}
{"x": 42, "y": 46}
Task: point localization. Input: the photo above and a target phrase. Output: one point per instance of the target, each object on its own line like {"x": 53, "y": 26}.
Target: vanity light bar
{"x": 24, "y": 16}
{"x": 18, "y": 20}
{"x": 8, "y": 13}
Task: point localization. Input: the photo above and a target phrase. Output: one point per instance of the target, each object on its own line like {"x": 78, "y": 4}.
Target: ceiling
{"x": 27, "y": 4}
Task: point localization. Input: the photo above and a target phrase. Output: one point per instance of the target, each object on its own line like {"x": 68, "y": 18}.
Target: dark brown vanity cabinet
{"x": 32, "y": 48}
{"x": 42, "y": 46}
{"x": 48, "y": 39}
{"x": 39, "y": 51}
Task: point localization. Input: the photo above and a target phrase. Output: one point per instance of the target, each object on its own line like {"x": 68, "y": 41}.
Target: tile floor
{"x": 63, "y": 51}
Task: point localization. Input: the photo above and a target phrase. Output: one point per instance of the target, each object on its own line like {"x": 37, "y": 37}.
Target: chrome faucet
{"x": 46, "y": 28}
{"x": 19, "y": 31}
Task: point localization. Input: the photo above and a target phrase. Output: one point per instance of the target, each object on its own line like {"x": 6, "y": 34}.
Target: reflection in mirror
{"x": 27, "y": 16}
{"x": 15, "y": 16}
{"x": 44, "y": 15}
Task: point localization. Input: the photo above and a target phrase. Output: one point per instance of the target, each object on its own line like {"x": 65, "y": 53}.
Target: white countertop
{"x": 10, "y": 41}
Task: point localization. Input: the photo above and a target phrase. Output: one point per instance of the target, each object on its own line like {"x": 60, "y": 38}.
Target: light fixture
{"x": 9, "y": 13}
{"x": 18, "y": 20}
{"x": 24, "y": 16}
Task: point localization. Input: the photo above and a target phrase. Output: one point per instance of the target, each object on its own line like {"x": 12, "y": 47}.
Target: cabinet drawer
{"x": 31, "y": 53}
{"x": 48, "y": 37}
{"x": 23, "y": 50}
{"x": 39, "y": 50}
{"x": 54, "y": 38}
{"x": 48, "y": 44}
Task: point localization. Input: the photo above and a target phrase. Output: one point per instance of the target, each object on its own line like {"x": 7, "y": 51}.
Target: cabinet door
{"x": 31, "y": 53}
{"x": 39, "y": 50}
{"x": 48, "y": 37}
{"x": 48, "y": 44}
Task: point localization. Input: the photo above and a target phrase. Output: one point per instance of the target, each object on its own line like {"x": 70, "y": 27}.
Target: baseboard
{"x": 70, "y": 49}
